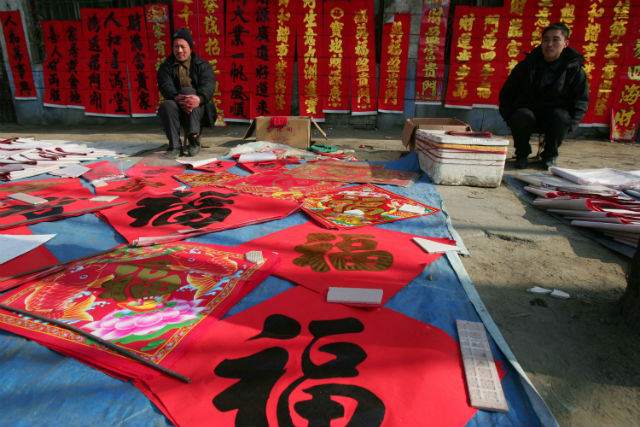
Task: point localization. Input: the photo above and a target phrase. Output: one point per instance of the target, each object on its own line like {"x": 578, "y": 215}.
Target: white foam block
{"x": 412, "y": 209}
{"x": 27, "y": 198}
{"x": 254, "y": 257}
{"x": 354, "y": 295}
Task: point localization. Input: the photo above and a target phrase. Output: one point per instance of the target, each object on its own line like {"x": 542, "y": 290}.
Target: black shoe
{"x": 551, "y": 161}
{"x": 521, "y": 163}
{"x": 194, "y": 145}
{"x": 173, "y": 152}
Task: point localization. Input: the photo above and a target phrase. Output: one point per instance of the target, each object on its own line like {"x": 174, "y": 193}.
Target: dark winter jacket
{"x": 569, "y": 91}
{"x": 202, "y": 78}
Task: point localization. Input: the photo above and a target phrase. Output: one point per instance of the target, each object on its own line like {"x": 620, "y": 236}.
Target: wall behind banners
{"x": 32, "y": 112}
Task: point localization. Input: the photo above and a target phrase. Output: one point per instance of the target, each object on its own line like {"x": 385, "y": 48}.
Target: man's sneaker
{"x": 551, "y": 161}
{"x": 194, "y": 144}
{"x": 173, "y": 152}
{"x": 521, "y": 162}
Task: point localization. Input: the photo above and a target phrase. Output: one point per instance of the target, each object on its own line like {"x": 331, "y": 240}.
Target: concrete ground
{"x": 580, "y": 355}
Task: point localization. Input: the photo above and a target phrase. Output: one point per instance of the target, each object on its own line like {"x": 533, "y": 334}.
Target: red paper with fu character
{"x": 370, "y": 257}
{"x": 296, "y": 360}
{"x": 195, "y": 211}
{"x": 154, "y": 301}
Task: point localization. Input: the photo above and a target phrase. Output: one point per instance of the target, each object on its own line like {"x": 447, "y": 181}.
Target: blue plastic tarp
{"x": 40, "y": 387}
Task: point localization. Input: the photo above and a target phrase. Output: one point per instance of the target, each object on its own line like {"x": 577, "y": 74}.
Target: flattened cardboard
{"x": 295, "y": 133}
{"x": 431, "y": 123}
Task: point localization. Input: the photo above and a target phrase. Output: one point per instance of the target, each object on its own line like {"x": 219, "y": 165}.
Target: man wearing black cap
{"x": 546, "y": 93}
{"x": 187, "y": 83}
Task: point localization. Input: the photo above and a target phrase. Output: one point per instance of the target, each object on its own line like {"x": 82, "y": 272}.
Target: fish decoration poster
{"x": 153, "y": 301}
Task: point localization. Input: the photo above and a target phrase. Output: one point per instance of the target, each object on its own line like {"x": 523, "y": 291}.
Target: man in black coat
{"x": 546, "y": 93}
{"x": 187, "y": 83}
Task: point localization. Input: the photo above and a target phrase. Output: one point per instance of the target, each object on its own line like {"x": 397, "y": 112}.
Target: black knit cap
{"x": 183, "y": 33}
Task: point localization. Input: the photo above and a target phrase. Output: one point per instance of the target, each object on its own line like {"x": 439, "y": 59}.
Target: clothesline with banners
{"x": 105, "y": 62}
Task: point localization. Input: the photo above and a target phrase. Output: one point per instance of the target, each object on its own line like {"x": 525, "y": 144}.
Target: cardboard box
{"x": 429, "y": 123}
{"x": 289, "y": 130}
{"x": 461, "y": 160}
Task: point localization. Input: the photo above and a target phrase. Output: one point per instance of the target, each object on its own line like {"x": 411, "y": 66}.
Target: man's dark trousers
{"x": 554, "y": 123}
{"x": 172, "y": 116}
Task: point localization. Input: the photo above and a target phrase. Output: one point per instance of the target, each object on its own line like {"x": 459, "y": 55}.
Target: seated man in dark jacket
{"x": 187, "y": 83}
{"x": 546, "y": 93}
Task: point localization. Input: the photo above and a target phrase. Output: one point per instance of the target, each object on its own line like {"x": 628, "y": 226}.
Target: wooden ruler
{"x": 483, "y": 382}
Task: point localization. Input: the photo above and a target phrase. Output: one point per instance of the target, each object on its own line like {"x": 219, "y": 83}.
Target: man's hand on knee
{"x": 188, "y": 102}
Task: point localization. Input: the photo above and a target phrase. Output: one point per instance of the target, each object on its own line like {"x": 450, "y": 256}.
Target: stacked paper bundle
{"x": 599, "y": 199}
{"x": 26, "y": 157}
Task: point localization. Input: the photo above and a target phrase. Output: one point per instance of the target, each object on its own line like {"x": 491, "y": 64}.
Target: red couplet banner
{"x": 18, "y": 53}
{"x": 430, "y": 61}
{"x": 338, "y": 42}
{"x": 158, "y": 39}
{"x": 55, "y": 75}
{"x": 284, "y": 40}
{"x": 393, "y": 64}
{"x": 309, "y": 27}
{"x": 92, "y": 62}
{"x": 240, "y": 47}
{"x": 363, "y": 60}
{"x": 210, "y": 46}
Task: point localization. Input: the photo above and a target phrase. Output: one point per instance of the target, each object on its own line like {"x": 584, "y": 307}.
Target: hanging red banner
{"x": 185, "y": 15}
{"x": 393, "y": 64}
{"x": 141, "y": 72}
{"x": 116, "y": 53}
{"x": 240, "y": 48}
{"x": 284, "y": 40}
{"x": 159, "y": 41}
{"x": 211, "y": 47}
{"x": 93, "y": 64}
{"x": 262, "y": 99}
{"x": 363, "y": 60}
{"x": 625, "y": 112}
{"x": 53, "y": 68}
{"x": 430, "y": 61}
{"x": 338, "y": 22}
{"x": 309, "y": 20}
{"x": 75, "y": 47}
{"x": 459, "y": 90}
{"x": 18, "y": 53}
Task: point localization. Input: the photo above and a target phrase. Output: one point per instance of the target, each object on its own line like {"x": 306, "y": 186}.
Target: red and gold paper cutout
{"x": 154, "y": 301}
{"x": 376, "y": 204}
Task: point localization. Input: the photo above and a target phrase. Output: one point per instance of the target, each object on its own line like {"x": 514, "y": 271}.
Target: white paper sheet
{"x": 16, "y": 245}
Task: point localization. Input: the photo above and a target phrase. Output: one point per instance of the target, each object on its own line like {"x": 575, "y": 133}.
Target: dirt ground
{"x": 580, "y": 355}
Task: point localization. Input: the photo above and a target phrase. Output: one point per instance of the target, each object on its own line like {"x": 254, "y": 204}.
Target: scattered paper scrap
{"x": 27, "y": 198}
{"x": 197, "y": 163}
{"x": 265, "y": 156}
{"x": 20, "y": 244}
{"x": 354, "y": 212}
{"x": 72, "y": 171}
{"x": 254, "y": 257}
{"x": 435, "y": 247}
{"x": 103, "y": 198}
{"x": 557, "y": 293}
{"x": 354, "y": 295}
{"x": 539, "y": 290}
